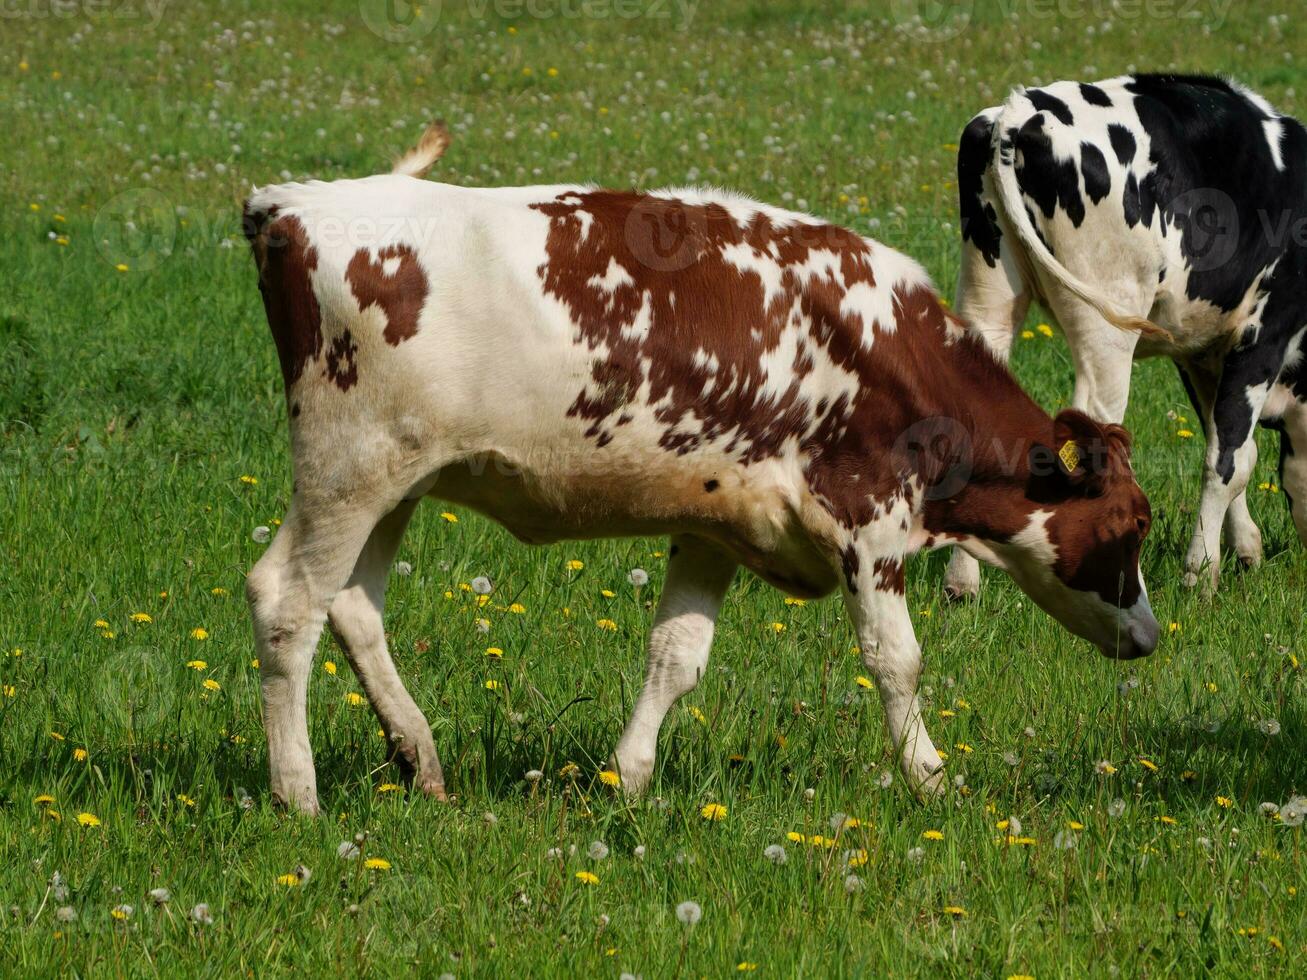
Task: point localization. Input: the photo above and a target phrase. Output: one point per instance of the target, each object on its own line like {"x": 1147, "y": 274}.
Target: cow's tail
{"x": 422, "y": 157}
{"x": 1020, "y": 220}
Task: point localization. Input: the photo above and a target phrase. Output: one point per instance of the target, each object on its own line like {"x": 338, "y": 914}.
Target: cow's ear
{"x": 1080, "y": 449}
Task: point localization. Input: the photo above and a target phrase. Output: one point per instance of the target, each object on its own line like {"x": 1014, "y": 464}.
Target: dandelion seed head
{"x": 597, "y": 850}
{"x": 481, "y": 585}
{"x": 638, "y": 577}
{"x": 689, "y": 913}
{"x": 201, "y": 914}
{"x": 775, "y": 854}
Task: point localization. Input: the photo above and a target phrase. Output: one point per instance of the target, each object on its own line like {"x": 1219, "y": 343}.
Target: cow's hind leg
{"x": 698, "y": 575}
{"x": 356, "y": 620}
{"x": 289, "y": 591}
{"x": 874, "y": 596}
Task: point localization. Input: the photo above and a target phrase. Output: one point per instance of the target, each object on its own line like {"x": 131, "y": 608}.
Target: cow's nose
{"x": 1144, "y": 635}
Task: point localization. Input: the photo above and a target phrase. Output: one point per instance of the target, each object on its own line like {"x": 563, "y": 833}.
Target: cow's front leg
{"x": 356, "y": 621}
{"x": 698, "y": 575}
{"x": 1245, "y": 382}
{"x": 1293, "y": 464}
{"x": 289, "y": 591}
{"x": 874, "y": 595}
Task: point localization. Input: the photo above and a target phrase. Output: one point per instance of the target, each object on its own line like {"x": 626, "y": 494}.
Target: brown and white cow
{"x": 769, "y": 390}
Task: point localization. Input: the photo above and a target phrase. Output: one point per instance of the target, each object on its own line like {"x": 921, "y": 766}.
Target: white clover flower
{"x": 347, "y": 850}
{"x": 638, "y": 577}
{"x": 597, "y": 850}
{"x": 689, "y": 913}
{"x": 852, "y": 884}
{"x": 262, "y": 534}
{"x": 201, "y": 914}
{"x": 403, "y": 569}
{"x": 481, "y": 585}
{"x": 160, "y": 896}
{"x": 775, "y": 854}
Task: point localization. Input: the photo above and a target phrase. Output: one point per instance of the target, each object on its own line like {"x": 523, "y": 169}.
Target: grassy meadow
{"x": 143, "y": 444}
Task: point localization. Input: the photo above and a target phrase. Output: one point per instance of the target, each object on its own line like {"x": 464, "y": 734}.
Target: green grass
{"x": 132, "y": 403}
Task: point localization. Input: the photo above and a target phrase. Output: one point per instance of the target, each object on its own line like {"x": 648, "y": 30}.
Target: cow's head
{"x": 1078, "y": 557}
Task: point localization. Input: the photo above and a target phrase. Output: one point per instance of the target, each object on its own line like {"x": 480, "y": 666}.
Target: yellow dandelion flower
{"x": 255, "y": 663}
{"x": 863, "y": 681}
{"x": 119, "y": 913}
{"x": 713, "y": 811}
{"x": 794, "y": 837}
{"x": 185, "y": 800}
{"x": 610, "y": 778}
{"x": 957, "y": 911}
{"x": 197, "y": 664}
{"x": 1169, "y": 821}
{"x": 517, "y": 609}
{"x": 791, "y": 601}
{"x": 552, "y": 73}
{"x": 698, "y": 715}
{"x": 1275, "y": 941}
{"x": 1045, "y": 329}
{"x": 1185, "y": 433}
{"x": 947, "y": 713}
{"x": 606, "y": 624}
{"x": 199, "y": 633}
{"x": 494, "y": 652}
{"x": 142, "y": 617}
{"x": 79, "y": 755}
{"x": 45, "y": 799}
{"x": 570, "y": 770}
{"x": 100, "y": 624}
{"x": 218, "y": 590}
{"x": 587, "y": 878}
{"x": 88, "y": 820}
{"x": 377, "y": 864}
{"x": 121, "y": 267}
{"x": 963, "y": 747}
{"x": 1148, "y": 764}
{"x": 778, "y": 627}
{"x": 932, "y": 834}
{"x": 492, "y": 685}
{"x": 290, "y": 880}
{"x": 1027, "y": 335}
{"x": 607, "y": 593}
{"x": 746, "y": 967}
{"x": 1075, "y": 825}
{"x": 330, "y": 667}
{"x": 211, "y": 685}
{"x": 250, "y": 481}
{"x": 858, "y": 858}
{"x": 389, "y": 788}
{"x": 451, "y": 518}
{"x": 355, "y": 699}
{"x": 9, "y": 690}
{"x": 1224, "y": 802}
{"x": 57, "y": 736}
{"x": 575, "y": 566}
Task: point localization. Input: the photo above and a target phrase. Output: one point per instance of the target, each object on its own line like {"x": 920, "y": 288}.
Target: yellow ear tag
{"x": 1069, "y": 454}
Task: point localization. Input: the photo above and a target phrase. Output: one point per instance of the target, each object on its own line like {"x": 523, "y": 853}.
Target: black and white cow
{"x": 1141, "y": 202}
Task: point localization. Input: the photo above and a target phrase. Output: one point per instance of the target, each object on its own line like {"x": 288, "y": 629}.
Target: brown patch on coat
{"x": 286, "y": 262}
{"x": 400, "y": 296}
{"x": 889, "y": 575}
{"x": 342, "y": 367}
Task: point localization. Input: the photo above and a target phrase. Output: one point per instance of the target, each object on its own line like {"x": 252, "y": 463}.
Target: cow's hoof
{"x": 1250, "y": 559}
{"x": 961, "y": 593}
{"x": 306, "y": 806}
{"x": 434, "y": 788}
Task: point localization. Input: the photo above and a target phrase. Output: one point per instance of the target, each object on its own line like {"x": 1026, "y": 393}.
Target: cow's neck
{"x": 984, "y": 503}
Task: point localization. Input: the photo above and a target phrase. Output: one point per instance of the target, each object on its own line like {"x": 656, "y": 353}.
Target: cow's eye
{"x": 1142, "y": 524}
